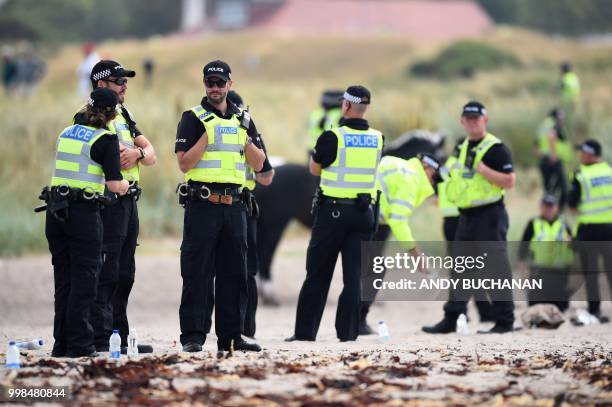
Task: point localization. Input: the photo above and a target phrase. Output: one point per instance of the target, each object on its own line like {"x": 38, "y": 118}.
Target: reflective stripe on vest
{"x": 249, "y": 176}
{"x": 73, "y": 164}
{"x": 223, "y": 160}
{"x": 354, "y": 170}
{"x": 119, "y": 126}
{"x": 468, "y": 188}
{"x": 595, "y": 193}
{"x": 550, "y": 244}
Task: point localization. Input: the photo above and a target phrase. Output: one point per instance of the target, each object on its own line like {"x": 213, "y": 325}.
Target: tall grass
{"x": 281, "y": 78}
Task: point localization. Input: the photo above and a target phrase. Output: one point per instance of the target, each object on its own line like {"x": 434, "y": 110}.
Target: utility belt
{"x": 212, "y": 193}
{"x": 57, "y": 200}
{"x": 362, "y": 201}
{"x": 134, "y": 191}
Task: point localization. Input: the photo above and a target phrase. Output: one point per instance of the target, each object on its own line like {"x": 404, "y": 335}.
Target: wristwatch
{"x": 142, "y": 153}
{"x": 248, "y": 141}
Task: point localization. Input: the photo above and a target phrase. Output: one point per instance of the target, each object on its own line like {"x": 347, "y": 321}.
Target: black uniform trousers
{"x": 554, "y": 179}
{"x": 337, "y": 229}
{"x": 449, "y": 227}
{"x": 109, "y": 310}
{"x": 595, "y": 244}
{"x": 76, "y": 254}
{"x": 381, "y": 235}
{"x": 487, "y": 224}
{"x": 250, "y": 302}
{"x": 213, "y": 252}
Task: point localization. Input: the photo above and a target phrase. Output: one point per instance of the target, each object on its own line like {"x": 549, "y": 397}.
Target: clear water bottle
{"x": 462, "y": 326}
{"x": 114, "y": 345}
{"x": 383, "y": 331}
{"x": 132, "y": 349}
{"x": 34, "y": 344}
{"x": 12, "y": 356}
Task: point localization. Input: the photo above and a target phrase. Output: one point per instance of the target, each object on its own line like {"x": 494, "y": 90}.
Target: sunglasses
{"x": 117, "y": 81}
{"x": 211, "y": 83}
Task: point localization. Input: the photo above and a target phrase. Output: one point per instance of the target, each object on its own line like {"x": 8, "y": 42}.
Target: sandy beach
{"x": 570, "y": 365}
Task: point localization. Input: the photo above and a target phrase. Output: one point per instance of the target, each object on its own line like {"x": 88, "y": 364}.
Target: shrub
{"x": 463, "y": 59}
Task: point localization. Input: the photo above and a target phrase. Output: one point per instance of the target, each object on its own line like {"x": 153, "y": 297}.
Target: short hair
{"x": 359, "y": 108}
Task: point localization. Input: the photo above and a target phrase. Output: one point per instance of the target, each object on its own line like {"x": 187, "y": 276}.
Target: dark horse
{"x": 290, "y": 195}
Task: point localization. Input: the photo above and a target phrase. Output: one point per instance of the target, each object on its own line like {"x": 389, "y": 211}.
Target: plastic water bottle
{"x": 462, "y": 326}
{"x": 114, "y": 345}
{"x": 383, "y": 331}
{"x": 132, "y": 349}
{"x": 12, "y": 356}
{"x": 34, "y": 344}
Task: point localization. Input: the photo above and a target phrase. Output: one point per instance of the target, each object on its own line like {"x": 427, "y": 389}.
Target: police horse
{"x": 290, "y": 195}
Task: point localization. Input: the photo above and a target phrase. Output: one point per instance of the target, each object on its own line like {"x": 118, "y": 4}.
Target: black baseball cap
{"x": 104, "y": 99}
{"x": 217, "y": 68}
{"x": 549, "y": 199}
{"x": 473, "y": 108}
{"x": 357, "y": 94}
{"x": 590, "y": 147}
{"x": 107, "y": 68}
{"x": 331, "y": 98}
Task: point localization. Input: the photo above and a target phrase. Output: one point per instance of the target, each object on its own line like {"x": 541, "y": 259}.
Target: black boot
{"x": 445, "y": 326}
{"x": 238, "y": 344}
{"x": 364, "y": 328}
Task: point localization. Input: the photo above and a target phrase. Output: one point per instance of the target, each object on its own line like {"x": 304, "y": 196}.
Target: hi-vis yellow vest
{"x": 405, "y": 186}
{"x": 249, "y": 176}
{"x": 119, "y": 125}
{"x": 550, "y": 244}
{"x": 353, "y": 171}
{"x": 595, "y": 204}
{"x": 468, "y": 188}
{"x": 224, "y": 159}
{"x": 73, "y": 164}
{"x": 570, "y": 87}
{"x": 448, "y": 209}
{"x": 321, "y": 120}
{"x": 563, "y": 147}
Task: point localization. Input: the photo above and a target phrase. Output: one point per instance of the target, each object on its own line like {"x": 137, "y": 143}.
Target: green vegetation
{"x": 70, "y": 20}
{"x": 566, "y": 17}
{"x": 463, "y": 59}
{"x": 282, "y": 88}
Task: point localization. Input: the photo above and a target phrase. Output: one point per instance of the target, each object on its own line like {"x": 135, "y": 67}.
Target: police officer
{"x": 450, "y": 215}
{"x": 215, "y": 142}
{"x": 590, "y": 198}
{"x": 263, "y": 177}
{"x": 477, "y": 187}
{"x": 326, "y": 116}
{"x": 570, "y": 84}
{"x": 87, "y": 160}
{"x": 405, "y": 185}
{"x": 346, "y": 158}
{"x": 121, "y": 225}
{"x": 555, "y": 152}
{"x": 546, "y": 243}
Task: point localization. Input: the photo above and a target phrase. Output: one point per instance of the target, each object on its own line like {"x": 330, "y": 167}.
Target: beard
{"x": 216, "y": 97}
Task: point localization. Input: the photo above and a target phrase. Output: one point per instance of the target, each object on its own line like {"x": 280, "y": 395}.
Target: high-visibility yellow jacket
{"x": 404, "y": 185}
